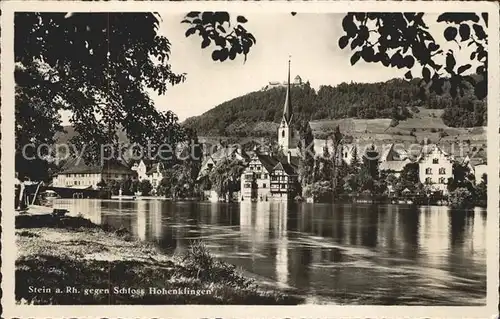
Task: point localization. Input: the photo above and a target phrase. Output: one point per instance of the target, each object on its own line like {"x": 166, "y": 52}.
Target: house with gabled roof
{"x": 267, "y": 178}
{"x": 435, "y": 168}
{"x": 78, "y": 174}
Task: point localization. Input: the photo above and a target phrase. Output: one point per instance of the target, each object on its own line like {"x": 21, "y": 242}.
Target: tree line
{"x": 392, "y": 99}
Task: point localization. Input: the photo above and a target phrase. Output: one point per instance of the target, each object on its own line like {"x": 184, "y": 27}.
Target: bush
{"x": 460, "y": 198}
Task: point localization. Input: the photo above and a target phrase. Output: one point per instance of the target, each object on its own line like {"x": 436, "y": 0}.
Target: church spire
{"x": 287, "y": 109}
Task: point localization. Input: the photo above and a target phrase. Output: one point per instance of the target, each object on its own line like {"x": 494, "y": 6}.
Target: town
{"x": 282, "y": 170}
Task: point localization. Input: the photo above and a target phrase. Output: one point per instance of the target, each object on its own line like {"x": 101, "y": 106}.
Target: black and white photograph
{"x": 251, "y": 157}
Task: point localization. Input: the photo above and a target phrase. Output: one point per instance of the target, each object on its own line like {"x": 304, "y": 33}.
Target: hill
{"x": 396, "y": 101}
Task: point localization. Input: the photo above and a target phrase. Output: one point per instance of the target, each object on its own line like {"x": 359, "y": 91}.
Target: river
{"x": 343, "y": 253}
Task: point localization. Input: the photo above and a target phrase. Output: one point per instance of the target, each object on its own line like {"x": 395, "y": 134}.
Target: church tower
{"x": 285, "y": 131}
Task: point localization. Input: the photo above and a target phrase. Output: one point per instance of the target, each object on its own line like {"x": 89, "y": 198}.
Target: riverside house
{"x": 435, "y": 168}
{"x": 267, "y": 178}
{"x": 77, "y": 174}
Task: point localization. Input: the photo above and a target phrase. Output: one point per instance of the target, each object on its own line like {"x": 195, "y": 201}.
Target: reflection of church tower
{"x": 285, "y": 131}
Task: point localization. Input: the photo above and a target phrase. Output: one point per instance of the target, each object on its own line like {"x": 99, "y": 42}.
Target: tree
{"x": 230, "y": 38}
{"x": 402, "y": 39}
{"x": 145, "y": 187}
{"x": 99, "y": 67}
{"x": 307, "y": 154}
{"x": 410, "y": 173}
{"x": 462, "y": 177}
{"x": 225, "y": 177}
{"x": 482, "y": 190}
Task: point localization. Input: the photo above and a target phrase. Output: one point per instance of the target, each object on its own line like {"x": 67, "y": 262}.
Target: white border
{"x": 251, "y": 312}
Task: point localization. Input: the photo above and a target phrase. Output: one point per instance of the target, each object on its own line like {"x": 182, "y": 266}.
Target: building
{"x": 393, "y": 160}
{"x": 477, "y": 164}
{"x": 286, "y": 132}
{"x": 77, "y": 174}
{"x": 435, "y": 168}
{"x": 155, "y": 174}
{"x": 142, "y": 167}
{"x": 221, "y": 153}
{"x": 267, "y": 178}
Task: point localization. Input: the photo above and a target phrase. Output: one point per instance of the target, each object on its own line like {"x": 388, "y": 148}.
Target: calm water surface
{"x": 350, "y": 254}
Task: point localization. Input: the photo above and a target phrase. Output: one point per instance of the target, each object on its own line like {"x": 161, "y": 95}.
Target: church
{"x": 267, "y": 178}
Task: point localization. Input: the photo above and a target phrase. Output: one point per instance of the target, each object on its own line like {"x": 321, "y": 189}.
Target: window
{"x": 258, "y": 168}
{"x": 283, "y": 133}
{"x": 248, "y": 185}
{"x": 345, "y": 154}
{"x": 264, "y": 185}
{"x": 428, "y": 180}
{"x": 265, "y": 176}
{"x": 442, "y": 171}
{"x": 428, "y": 171}
{"x": 442, "y": 180}
{"x": 435, "y": 161}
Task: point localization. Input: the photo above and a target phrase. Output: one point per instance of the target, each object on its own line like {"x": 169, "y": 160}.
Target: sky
{"x": 310, "y": 39}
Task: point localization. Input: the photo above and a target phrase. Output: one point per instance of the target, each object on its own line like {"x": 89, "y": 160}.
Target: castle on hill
{"x": 297, "y": 81}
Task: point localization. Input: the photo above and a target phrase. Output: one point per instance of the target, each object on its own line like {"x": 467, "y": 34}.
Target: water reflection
{"x": 378, "y": 254}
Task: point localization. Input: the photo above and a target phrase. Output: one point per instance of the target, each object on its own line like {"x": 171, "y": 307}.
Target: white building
{"x": 79, "y": 175}
{"x": 435, "y": 168}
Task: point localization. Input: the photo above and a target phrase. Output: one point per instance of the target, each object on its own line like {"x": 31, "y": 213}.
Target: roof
{"x": 267, "y": 161}
{"x": 287, "y": 168}
{"x": 109, "y": 166}
{"x": 395, "y": 166}
{"x": 154, "y": 168}
{"x": 287, "y": 108}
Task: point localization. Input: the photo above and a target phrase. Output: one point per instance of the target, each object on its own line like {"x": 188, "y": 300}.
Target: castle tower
{"x": 285, "y": 131}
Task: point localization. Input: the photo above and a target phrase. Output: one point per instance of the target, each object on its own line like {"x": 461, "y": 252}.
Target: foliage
{"x": 403, "y": 39}
{"x": 69, "y": 61}
{"x": 225, "y": 176}
{"x": 145, "y": 187}
{"x": 245, "y": 115}
{"x": 481, "y": 190}
{"x": 177, "y": 181}
{"x": 462, "y": 177}
{"x": 461, "y": 197}
{"x": 320, "y": 190}
{"x": 307, "y": 155}
{"x": 230, "y": 38}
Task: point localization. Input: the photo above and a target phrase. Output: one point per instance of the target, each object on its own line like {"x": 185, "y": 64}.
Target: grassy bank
{"x": 74, "y": 255}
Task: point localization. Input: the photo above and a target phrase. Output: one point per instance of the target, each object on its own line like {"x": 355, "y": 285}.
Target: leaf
{"x": 478, "y": 29}
{"x": 215, "y": 55}
{"x": 485, "y": 17}
{"x": 426, "y": 74}
{"x": 349, "y": 26}
{"x": 205, "y": 43}
{"x": 190, "y": 31}
{"x": 450, "y": 33}
{"x": 343, "y": 41}
{"x": 463, "y": 68}
{"x": 221, "y": 29}
{"x": 355, "y": 57}
{"x": 193, "y": 14}
{"x": 241, "y": 19}
{"x": 408, "y": 75}
{"x": 450, "y": 62}
{"x": 457, "y": 17}
{"x": 464, "y": 31}
{"x": 473, "y": 55}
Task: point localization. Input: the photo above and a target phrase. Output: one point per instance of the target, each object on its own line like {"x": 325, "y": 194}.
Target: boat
{"x": 30, "y": 201}
{"x": 50, "y": 195}
{"x": 123, "y": 197}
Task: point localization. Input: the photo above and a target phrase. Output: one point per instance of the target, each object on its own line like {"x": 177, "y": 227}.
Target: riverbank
{"x": 74, "y": 255}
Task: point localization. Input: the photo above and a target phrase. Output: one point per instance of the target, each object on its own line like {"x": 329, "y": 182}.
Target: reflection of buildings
{"x": 434, "y": 239}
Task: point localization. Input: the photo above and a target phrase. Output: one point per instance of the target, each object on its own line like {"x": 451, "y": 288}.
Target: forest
{"x": 390, "y": 99}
